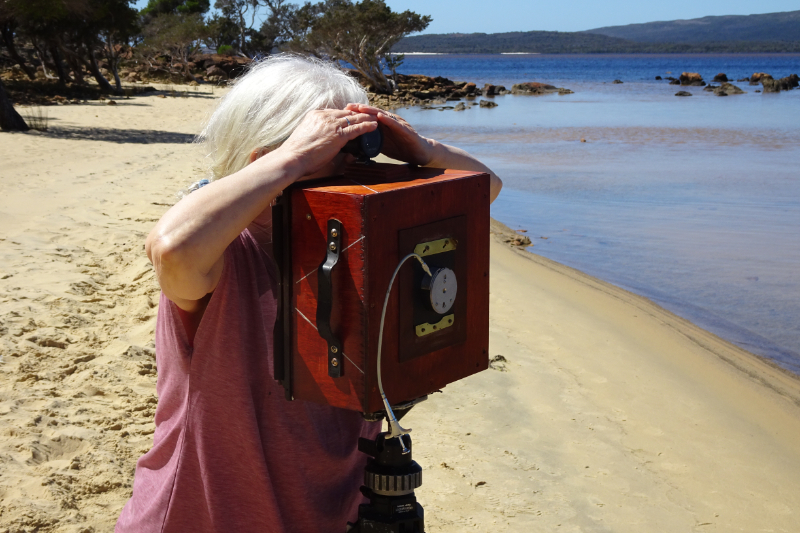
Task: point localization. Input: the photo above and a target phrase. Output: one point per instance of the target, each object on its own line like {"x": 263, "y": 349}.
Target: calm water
{"x": 693, "y": 202}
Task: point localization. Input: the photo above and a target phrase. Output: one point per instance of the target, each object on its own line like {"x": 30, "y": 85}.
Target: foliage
{"x": 37, "y": 118}
{"x": 68, "y": 35}
{"x": 225, "y": 50}
{"x": 176, "y": 35}
{"x": 164, "y": 7}
{"x": 222, "y": 31}
{"x": 361, "y": 34}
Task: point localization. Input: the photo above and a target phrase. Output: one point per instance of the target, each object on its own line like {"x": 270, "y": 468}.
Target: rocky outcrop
{"x": 658, "y": 78}
{"x": 617, "y": 81}
{"x": 727, "y": 88}
{"x": 720, "y": 77}
{"x": 784, "y": 84}
{"x": 487, "y": 103}
{"x": 756, "y": 78}
{"x": 215, "y": 71}
{"x": 683, "y": 93}
{"x": 673, "y": 81}
{"x": 691, "y": 79}
{"x": 492, "y": 90}
{"x": 537, "y": 89}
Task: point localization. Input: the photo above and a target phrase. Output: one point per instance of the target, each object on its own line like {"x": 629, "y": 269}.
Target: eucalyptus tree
{"x": 362, "y": 34}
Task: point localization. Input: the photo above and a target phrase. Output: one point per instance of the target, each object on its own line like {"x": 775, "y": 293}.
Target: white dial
{"x": 443, "y": 287}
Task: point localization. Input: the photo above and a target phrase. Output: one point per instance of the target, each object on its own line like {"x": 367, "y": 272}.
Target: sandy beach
{"x": 605, "y": 413}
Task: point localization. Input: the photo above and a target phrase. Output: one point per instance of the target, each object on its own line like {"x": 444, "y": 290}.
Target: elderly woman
{"x": 230, "y": 454}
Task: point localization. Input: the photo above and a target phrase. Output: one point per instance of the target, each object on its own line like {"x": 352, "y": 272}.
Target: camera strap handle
{"x": 325, "y": 297}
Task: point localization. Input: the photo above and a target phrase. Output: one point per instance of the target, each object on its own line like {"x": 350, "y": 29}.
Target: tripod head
{"x": 390, "y": 478}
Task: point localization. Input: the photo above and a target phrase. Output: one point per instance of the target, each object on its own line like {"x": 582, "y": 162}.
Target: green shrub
{"x": 225, "y": 50}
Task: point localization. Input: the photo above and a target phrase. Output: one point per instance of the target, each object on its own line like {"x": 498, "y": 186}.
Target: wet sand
{"x": 608, "y": 413}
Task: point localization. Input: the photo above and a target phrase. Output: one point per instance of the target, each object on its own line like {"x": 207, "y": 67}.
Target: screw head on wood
{"x": 333, "y": 247}
{"x": 334, "y": 362}
{"x": 334, "y": 349}
{"x": 334, "y": 233}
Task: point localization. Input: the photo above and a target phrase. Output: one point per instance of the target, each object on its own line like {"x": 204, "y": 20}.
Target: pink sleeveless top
{"x": 230, "y": 453}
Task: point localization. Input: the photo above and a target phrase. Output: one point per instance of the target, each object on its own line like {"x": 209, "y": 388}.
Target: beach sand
{"x": 608, "y": 413}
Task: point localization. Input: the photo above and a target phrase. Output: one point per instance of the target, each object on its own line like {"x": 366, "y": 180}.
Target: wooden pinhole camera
{"x": 337, "y": 243}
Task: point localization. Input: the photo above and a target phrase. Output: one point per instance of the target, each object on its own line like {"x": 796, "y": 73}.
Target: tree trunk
{"x": 95, "y": 70}
{"x": 42, "y": 53}
{"x": 63, "y": 77}
{"x": 114, "y": 64}
{"x": 113, "y": 60}
{"x": 8, "y": 38}
{"x": 10, "y": 120}
{"x": 74, "y": 62}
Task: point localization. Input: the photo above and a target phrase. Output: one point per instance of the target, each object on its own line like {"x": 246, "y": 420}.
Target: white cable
{"x": 394, "y": 426}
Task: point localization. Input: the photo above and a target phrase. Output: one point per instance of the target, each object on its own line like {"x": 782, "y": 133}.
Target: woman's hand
{"x": 322, "y": 134}
{"x": 400, "y": 140}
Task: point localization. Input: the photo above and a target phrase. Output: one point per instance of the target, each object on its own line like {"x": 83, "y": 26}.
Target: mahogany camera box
{"x": 337, "y": 244}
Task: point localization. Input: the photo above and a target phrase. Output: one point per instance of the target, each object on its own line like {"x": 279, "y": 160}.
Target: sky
{"x": 471, "y": 16}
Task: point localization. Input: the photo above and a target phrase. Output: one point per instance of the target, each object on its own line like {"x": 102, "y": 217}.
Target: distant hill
{"x": 773, "y": 32}
{"x": 544, "y": 42}
{"x": 767, "y": 27}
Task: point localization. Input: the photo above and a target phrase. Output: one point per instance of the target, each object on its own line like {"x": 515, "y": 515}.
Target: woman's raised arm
{"x": 186, "y": 246}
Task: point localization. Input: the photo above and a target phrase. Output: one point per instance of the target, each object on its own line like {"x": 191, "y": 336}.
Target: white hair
{"x": 266, "y": 104}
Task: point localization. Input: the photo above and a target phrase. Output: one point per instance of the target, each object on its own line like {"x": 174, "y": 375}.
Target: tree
{"x": 175, "y": 35}
{"x": 8, "y": 28}
{"x": 221, "y": 31}
{"x": 361, "y": 34}
{"x": 113, "y": 24}
{"x": 10, "y": 120}
{"x": 173, "y": 7}
{"x": 285, "y": 22}
{"x": 238, "y": 11}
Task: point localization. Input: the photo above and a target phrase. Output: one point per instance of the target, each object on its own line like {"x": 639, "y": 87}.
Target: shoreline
{"x": 607, "y": 413}
{"x": 759, "y": 368}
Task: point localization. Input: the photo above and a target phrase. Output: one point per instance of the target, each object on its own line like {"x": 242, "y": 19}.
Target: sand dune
{"x": 608, "y": 413}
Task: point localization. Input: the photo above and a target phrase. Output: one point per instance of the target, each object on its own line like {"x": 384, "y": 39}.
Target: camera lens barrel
{"x": 365, "y": 146}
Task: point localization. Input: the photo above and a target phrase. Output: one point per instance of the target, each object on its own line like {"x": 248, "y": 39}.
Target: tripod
{"x": 390, "y": 478}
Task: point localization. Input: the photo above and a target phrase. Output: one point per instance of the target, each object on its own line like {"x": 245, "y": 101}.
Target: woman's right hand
{"x": 321, "y": 135}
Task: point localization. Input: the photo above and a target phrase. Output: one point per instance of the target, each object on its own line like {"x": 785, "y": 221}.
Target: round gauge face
{"x": 443, "y": 290}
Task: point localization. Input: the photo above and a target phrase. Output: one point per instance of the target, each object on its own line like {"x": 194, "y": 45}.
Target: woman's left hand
{"x": 400, "y": 140}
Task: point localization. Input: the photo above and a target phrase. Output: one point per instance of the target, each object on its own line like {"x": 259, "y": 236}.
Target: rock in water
{"x": 535, "y": 88}
{"x": 617, "y": 81}
{"x": 758, "y": 76}
{"x": 683, "y": 93}
{"x": 487, "y": 103}
{"x": 776, "y": 86}
{"x": 720, "y": 77}
{"x": 691, "y": 78}
{"x": 461, "y": 106}
{"x": 727, "y": 88}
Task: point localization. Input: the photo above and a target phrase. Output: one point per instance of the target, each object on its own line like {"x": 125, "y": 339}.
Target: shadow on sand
{"x": 120, "y": 136}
